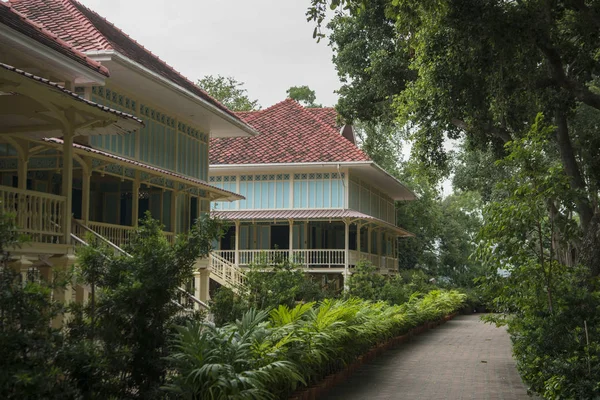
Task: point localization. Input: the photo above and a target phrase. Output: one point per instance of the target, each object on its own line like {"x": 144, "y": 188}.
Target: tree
{"x": 30, "y": 366}
{"x": 304, "y": 95}
{"x": 478, "y": 70}
{"x": 118, "y": 342}
{"x": 229, "y": 91}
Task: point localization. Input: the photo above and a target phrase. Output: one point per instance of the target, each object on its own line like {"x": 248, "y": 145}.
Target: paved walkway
{"x": 462, "y": 359}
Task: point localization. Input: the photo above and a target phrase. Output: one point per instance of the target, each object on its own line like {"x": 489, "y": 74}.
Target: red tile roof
{"x": 289, "y": 133}
{"x": 313, "y": 214}
{"x": 10, "y": 17}
{"x": 326, "y": 114}
{"x": 88, "y": 31}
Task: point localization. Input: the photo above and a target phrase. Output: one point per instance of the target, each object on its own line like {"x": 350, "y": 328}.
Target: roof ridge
{"x": 40, "y": 27}
{"x": 164, "y": 63}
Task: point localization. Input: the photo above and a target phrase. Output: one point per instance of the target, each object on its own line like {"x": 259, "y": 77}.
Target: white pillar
{"x": 346, "y": 252}
{"x": 174, "y": 197}
{"x": 204, "y": 285}
{"x": 237, "y": 243}
{"x": 67, "y": 180}
{"x": 369, "y": 234}
{"x": 85, "y": 196}
{"x": 22, "y": 173}
{"x": 358, "y": 229}
{"x": 63, "y": 295}
{"x": 291, "y": 241}
{"x": 135, "y": 201}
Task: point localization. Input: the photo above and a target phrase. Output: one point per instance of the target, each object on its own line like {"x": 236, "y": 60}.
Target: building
{"x": 311, "y": 195}
{"x": 95, "y": 130}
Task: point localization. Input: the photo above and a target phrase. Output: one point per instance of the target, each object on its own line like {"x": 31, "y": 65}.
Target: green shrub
{"x": 269, "y": 357}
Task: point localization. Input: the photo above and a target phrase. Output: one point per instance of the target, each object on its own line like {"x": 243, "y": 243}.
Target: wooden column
{"x": 237, "y": 243}
{"x": 64, "y": 295}
{"x": 358, "y": 229}
{"x": 174, "y": 196}
{"x": 67, "y": 179}
{"x": 22, "y": 172}
{"x": 135, "y": 201}
{"x": 204, "y": 285}
{"x": 291, "y": 241}
{"x": 346, "y": 252}
{"x": 369, "y": 234}
{"x": 86, "y": 178}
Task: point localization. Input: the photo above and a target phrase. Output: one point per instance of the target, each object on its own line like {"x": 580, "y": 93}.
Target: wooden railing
{"x": 308, "y": 258}
{"x": 38, "y": 215}
{"x": 117, "y": 234}
{"x": 386, "y": 264}
{"x": 225, "y": 272}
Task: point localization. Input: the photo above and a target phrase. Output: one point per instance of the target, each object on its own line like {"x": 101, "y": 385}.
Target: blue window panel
{"x": 126, "y": 144}
{"x": 279, "y": 195}
{"x": 286, "y": 194}
{"x": 180, "y": 157}
{"x": 243, "y": 192}
{"x": 257, "y": 203}
{"x": 264, "y": 195}
{"x": 142, "y": 135}
{"x": 312, "y": 194}
{"x": 244, "y": 237}
{"x": 250, "y": 196}
{"x": 297, "y": 194}
{"x": 326, "y": 194}
{"x": 304, "y": 197}
{"x": 319, "y": 193}
{"x": 335, "y": 201}
{"x": 271, "y": 195}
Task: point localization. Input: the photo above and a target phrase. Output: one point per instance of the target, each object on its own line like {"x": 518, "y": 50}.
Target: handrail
{"x": 117, "y": 248}
{"x": 105, "y": 240}
{"x": 33, "y": 193}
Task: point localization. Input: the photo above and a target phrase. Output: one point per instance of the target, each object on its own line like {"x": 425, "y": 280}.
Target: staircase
{"x": 226, "y": 273}
{"x": 79, "y": 230}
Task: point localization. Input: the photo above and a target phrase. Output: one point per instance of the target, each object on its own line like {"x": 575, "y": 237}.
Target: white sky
{"x": 267, "y": 44}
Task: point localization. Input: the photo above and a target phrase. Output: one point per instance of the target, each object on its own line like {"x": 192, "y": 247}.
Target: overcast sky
{"x": 267, "y": 44}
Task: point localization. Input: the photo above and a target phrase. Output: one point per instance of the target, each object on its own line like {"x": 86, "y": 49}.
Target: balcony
{"x": 313, "y": 260}
{"x": 38, "y": 215}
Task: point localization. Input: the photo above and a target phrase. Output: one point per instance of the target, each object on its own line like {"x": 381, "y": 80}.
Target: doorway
{"x": 280, "y": 237}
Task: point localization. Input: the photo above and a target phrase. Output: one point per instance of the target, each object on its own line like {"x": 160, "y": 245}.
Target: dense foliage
{"x": 30, "y": 348}
{"x": 229, "y": 91}
{"x": 485, "y": 72}
{"x": 115, "y": 345}
{"x": 269, "y": 354}
{"x": 266, "y": 287}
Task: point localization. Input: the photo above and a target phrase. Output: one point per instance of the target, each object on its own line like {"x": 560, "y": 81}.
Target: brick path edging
{"x": 320, "y": 388}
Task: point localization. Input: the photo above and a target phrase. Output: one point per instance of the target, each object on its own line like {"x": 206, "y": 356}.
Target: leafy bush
{"x": 260, "y": 357}
{"x": 118, "y": 341}
{"x": 268, "y": 286}
{"x": 368, "y": 284}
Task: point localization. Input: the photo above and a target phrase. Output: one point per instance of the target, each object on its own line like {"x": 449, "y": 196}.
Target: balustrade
{"x": 38, "y": 215}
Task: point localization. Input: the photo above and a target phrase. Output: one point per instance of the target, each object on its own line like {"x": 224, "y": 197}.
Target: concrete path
{"x": 461, "y": 359}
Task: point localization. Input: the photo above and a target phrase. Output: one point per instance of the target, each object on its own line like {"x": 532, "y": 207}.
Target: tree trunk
{"x": 572, "y": 168}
